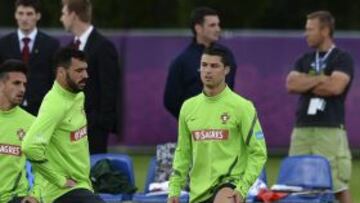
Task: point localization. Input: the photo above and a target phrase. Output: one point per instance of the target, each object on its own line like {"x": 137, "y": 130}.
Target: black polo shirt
{"x": 333, "y": 114}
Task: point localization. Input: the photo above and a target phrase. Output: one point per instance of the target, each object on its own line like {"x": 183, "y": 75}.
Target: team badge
{"x": 224, "y": 117}
{"x": 21, "y": 134}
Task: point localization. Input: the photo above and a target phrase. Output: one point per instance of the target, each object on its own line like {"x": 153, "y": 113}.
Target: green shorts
{"x": 331, "y": 143}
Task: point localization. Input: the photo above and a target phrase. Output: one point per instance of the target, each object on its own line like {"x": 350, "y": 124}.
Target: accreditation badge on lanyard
{"x": 318, "y": 104}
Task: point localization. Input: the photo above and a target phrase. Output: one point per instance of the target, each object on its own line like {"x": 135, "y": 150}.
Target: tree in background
{"x": 245, "y": 14}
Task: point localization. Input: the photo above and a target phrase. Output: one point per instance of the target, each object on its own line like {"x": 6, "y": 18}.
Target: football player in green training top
{"x": 57, "y": 144}
{"x": 220, "y": 142}
{"x": 14, "y": 123}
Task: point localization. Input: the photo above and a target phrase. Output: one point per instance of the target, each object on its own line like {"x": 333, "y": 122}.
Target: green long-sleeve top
{"x": 57, "y": 143}
{"x": 220, "y": 140}
{"x": 13, "y": 126}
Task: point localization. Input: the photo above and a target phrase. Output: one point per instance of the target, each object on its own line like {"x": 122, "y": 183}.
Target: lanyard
{"x": 319, "y": 61}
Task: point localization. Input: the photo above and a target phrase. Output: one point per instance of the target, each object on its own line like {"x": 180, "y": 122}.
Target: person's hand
{"x": 237, "y": 197}
{"x": 322, "y": 78}
{"x": 173, "y": 200}
{"x": 29, "y": 199}
{"x": 70, "y": 183}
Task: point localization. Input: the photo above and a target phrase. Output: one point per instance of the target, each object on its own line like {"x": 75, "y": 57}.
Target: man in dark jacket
{"x": 102, "y": 87}
{"x": 35, "y": 48}
{"x": 183, "y": 79}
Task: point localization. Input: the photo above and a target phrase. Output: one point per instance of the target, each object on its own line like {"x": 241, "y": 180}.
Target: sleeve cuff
{"x": 61, "y": 182}
{"x": 35, "y": 194}
{"x": 174, "y": 192}
{"x": 243, "y": 189}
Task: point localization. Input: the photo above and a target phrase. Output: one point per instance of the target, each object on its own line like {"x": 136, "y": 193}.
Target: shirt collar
{"x": 221, "y": 94}
{"x": 61, "y": 90}
{"x": 201, "y": 46}
{"x": 8, "y": 112}
{"x": 84, "y": 37}
{"x": 32, "y": 35}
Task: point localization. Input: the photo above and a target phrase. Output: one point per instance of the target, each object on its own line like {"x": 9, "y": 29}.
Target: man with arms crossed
{"x": 220, "y": 138}
{"x": 323, "y": 78}
{"x": 56, "y": 143}
{"x": 14, "y": 123}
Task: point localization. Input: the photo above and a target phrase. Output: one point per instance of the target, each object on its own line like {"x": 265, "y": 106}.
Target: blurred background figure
{"x": 101, "y": 90}
{"x": 34, "y": 48}
{"x": 323, "y": 78}
{"x": 183, "y": 79}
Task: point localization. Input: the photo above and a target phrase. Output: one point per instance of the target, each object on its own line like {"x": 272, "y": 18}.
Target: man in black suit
{"x": 103, "y": 68}
{"x": 35, "y": 48}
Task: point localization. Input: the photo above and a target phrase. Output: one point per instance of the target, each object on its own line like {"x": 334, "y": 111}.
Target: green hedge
{"x": 242, "y": 14}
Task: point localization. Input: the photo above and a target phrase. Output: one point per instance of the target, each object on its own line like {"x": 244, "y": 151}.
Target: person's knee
{"x": 224, "y": 195}
{"x": 343, "y": 196}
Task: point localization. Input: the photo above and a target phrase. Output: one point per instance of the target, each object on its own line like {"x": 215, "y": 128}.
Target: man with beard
{"x": 14, "y": 123}
{"x": 102, "y": 90}
{"x": 57, "y": 144}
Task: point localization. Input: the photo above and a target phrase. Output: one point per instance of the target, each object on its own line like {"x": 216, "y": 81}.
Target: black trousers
{"x": 97, "y": 140}
{"x": 79, "y": 196}
{"x": 16, "y": 200}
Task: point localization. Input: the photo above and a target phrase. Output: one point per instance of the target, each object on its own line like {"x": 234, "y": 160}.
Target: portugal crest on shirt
{"x": 224, "y": 117}
{"x": 20, "y": 133}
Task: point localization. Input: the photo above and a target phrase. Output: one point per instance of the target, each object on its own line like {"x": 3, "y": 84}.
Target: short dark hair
{"x": 198, "y": 16}
{"x": 218, "y": 51}
{"x": 12, "y": 65}
{"x": 29, "y": 3}
{"x": 82, "y": 8}
{"x": 325, "y": 18}
{"x": 64, "y": 55}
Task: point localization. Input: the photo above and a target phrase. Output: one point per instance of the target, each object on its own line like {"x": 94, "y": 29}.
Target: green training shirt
{"x": 220, "y": 141}
{"x": 57, "y": 143}
{"x": 13, "y": 126}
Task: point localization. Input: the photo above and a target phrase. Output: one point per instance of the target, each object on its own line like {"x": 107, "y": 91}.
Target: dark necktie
{"x": 26, "y": 50}
{"x": 77, "y": 43}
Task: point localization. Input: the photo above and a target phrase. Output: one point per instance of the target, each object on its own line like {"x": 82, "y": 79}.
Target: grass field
{"x": 272, "y": 168}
